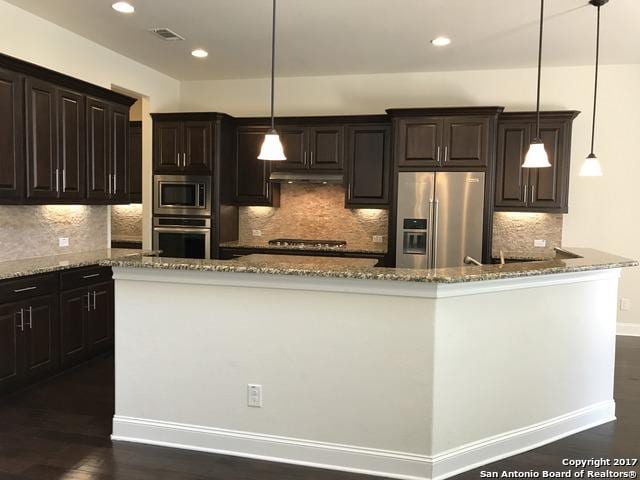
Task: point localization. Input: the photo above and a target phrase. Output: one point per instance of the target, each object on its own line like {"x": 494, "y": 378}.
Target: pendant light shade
{"x": 537, "y": 156}
{"x": 591, "y": 166}
{"x": 272, "y": 146}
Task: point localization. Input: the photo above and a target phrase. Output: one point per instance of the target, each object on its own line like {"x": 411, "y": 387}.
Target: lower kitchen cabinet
{"x": 86, "y": 322}
{"x": 42, "y": 332}
{"x": 28, "y": 341}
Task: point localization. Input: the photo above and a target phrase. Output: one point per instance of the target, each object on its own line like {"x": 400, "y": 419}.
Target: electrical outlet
{"x": 540, "y": 243}
{"x": 254, "y": 395}
{"x": 625, "y": 304}
{"x": 63, "y": 241}
{"x": 257, "y": 233}
{"x": 377, "y": 239}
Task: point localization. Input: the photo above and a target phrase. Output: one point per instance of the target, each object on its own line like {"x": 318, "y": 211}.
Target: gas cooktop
{"x": 298, "y": 242}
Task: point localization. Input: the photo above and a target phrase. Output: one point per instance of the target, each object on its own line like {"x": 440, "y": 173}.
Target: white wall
{"x": 31, "y": 38}
{"x": 601, "y": 209}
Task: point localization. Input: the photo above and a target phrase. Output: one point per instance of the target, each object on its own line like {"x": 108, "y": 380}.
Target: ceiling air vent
{"x": 166, "y": 34}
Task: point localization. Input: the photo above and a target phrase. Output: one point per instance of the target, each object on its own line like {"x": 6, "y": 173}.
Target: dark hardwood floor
{"x": 60, "y": 430}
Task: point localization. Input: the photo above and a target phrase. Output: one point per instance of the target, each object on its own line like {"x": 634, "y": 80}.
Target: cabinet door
{"x": 71, "y": 146}
{"x": 419, "y": 142}
{"x": 167, "y": 147}
{"x": 466, "y": 142}
{"x": 294, "y": 144}
{"x": 9, "y": 347}
{"x": 98, "y": 162}
{"x": 548, "y": 186}
{"x": 74, "y": 309}
{"x": 100, "y": 318}
{"x": 135, "y": 161}
{"x": 41, "y": 336}
{"x": 511, "y": 178}
{"x": 119, "y": 153}
{"x": 368, "y": 156}
{"x": 197, "y": 147}
{"x": 252, "y": 175}
{"x": 42, "y": 153}
{"x": 326, "y": 148}
{"x": 11, "y": 136}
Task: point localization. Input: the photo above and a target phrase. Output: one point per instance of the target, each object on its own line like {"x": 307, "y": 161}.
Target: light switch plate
{"x": 63, "y": 241}
{"x": 377, "y": 239}
{"x": 254, "y": 395}
{"x": 625, "y": 304}
{"x": 256, "y": 233}
{"x": 540, "y": 243}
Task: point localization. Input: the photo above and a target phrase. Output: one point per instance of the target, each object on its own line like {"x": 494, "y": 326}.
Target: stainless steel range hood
{"x": 306, "y": 177}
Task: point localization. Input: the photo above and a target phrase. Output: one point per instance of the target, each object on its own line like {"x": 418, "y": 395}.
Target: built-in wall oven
{"x": 182, "y": 195}
{"x": 182, "y": 237}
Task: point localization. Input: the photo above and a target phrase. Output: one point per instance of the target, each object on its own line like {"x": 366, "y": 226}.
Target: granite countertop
{"x": 381, "y": 250}
{"x": 35, "y": 265}
{"x": 284, "y": 261}
{"x": 583, "y": 260}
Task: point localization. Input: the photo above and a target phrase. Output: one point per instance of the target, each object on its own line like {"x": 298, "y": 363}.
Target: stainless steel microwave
{"x": 182, "y": 195}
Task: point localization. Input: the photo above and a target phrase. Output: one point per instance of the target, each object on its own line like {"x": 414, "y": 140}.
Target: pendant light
{"x": 272, "y": 147}
{"x": 591, "y": 165}
{"x": 537, "y": 156}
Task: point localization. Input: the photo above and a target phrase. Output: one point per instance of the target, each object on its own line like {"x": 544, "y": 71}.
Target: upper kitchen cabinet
{"x": 11, "y": 136}
{"x": 368, "y": 165}
{"x": 318, "y": 147}
{"x": 252, "y": 185}
{"x": 182, "y": 144}
{"x": 446, "y": 138}
{"x": 540, "y": 189}
{"x": 62, "y": 140}
{"x": 135, "y": 162}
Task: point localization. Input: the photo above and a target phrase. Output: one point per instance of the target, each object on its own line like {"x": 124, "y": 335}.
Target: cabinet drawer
{"x": 81, "y": 277}
{"x": 26, "y": 287}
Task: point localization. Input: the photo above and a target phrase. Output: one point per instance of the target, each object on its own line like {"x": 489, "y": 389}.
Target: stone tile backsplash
{"x": 126, "y": 222}
{"x": 514, "y": 233}
{"x": 33, "y": 230}
{"x": 313, "y": 212}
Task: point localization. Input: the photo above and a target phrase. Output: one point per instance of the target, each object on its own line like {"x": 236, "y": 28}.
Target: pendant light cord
{"x": 539, "y": 71}
{"x": 595, "y": 90}
{"x": 273, "y": 60}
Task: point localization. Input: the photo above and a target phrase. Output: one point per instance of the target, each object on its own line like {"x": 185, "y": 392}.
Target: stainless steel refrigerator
{"x": 440, "y": 218}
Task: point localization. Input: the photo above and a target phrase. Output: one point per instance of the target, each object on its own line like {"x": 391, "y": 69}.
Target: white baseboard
{"x": 628, "y": 329}
{"x": 391, "y": 464}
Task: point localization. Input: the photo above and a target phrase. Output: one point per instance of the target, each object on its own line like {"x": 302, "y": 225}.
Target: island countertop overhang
{"x": 578, "y": 260}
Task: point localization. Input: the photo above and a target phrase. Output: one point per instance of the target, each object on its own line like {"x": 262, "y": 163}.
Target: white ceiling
{"x": 328, "y": 37}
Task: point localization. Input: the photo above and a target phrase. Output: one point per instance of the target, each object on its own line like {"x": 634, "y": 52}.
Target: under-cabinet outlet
{"x": 256, "y": 233}
{"x": 540, "y": 243}
{"x": 63, "y": 241}
{"x": 377, "y": 239}
{"x": 254, "y": 395}
{"x": 625, "y": 304}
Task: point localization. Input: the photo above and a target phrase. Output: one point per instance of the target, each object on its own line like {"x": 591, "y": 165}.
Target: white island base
{"x": 400, "y": 379}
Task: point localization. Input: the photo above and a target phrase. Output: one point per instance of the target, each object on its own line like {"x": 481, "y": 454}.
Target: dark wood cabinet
{"x": 466, "y": 142}
{"x": 100, "y": 317}
{"x": 419, "y": 142}
{"x": 135, "y": 162}
{"x": 74, "y": 306}
{"x": 182, "y": 146}
{"x": 71, "y": 145}
{"x": 62, "y": 140}
{"x": 98, "y": 162}
{"x": 368, "y": 165}
{"x": 252, "y": 185}
{"x": 28, "y": 340}
{"x": 540, "y": 189}
{"x": 12, "y": 161}
{"x": 311, "y": 147}
{"x": 42, "y": 150}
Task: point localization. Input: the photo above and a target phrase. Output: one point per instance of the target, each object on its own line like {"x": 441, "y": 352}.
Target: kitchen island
{"x": 401, "y": 373}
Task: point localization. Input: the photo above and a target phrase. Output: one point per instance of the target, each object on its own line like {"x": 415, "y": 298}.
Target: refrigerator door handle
{"x": 430, "y": 236}
{"x": 434, "y": 230}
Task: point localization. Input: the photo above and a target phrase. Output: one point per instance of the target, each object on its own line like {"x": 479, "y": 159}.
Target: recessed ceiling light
{"x": 123, "y": 7}
{"x": 200, "y": 53}
{"x": 441, "y": 41}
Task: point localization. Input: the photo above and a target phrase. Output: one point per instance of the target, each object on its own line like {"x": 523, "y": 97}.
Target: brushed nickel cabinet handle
{"x": 438, "y": 155}
{"x": 533, "y": 191}
{"x": 179, "y": 164}
{"x": 94, "y": 300}
{"x": 526, "y": 199}
{"x": 311, "y": 162}
{"x": 114, "y": 183}
{"x": 184, "y": 160}
{"x": 57, "y": 180}
{"x": 304, "y": 160}
{"x": 93, "y": 275}
{"x": 88, "y": 301}
{"x": 30, "y": 310}
{"x": 446, "y": 153}
{"x": 21, "y": 324}
{"x": 25, "y": 289}
{"x": 64, "y": 181}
